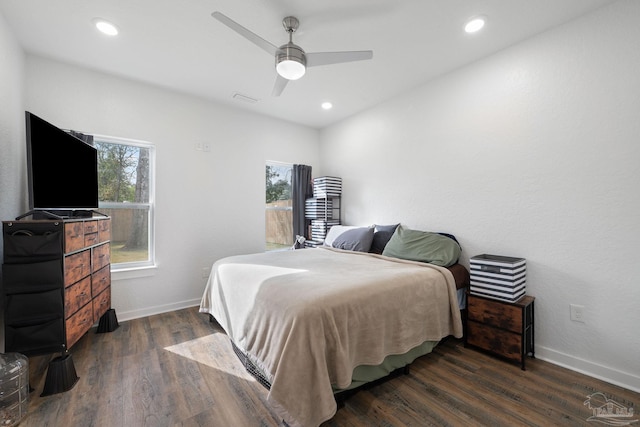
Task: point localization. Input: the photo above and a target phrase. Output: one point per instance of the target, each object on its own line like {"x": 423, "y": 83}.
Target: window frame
{"x": 151, "y": 261}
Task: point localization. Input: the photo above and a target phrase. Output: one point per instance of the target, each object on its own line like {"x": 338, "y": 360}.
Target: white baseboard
{"x": 158, "y": 309}
{"x": 601, "y": 372}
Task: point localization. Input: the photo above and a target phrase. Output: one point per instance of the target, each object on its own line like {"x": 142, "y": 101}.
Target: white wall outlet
{"x": 205, "y": 272}
{"x": 206, "y": 147}
{"x": 577, "y": 312}
{"x": 198, "y": 146}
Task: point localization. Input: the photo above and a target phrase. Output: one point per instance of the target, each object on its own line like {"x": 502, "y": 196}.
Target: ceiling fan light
{"x": 291, "y": 62}
{"x": 290, "y": 69}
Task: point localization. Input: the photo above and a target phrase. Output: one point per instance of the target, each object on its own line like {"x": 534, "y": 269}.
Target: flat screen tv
{"x": 63, "y": 170}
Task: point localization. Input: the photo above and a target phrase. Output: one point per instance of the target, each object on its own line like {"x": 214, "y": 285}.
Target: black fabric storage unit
{"x": 32, "y": 243}
{"x": 30, "y": 278}
{"x": 42, "y": 337}
{"x": 33, "y": 287}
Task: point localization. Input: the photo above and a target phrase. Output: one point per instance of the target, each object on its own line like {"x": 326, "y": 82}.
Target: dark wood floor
{"x": 179, "y": 369}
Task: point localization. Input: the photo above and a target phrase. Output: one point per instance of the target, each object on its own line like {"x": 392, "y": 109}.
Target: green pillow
{"x": 422, "y": 246}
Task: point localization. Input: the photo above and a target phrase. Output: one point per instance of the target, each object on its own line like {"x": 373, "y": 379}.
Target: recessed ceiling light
{"x": 105, "y": 27}
{"x": 474, "y": 24}
{"x": 327, "y": 106}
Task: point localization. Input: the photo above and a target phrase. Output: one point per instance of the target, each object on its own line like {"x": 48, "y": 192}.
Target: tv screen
{"x": 63, "y": 170}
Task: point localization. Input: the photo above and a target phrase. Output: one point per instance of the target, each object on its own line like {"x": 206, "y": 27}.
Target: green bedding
{"x": 364, "y": 374}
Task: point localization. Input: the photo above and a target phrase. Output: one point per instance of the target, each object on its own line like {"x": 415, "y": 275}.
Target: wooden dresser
{"x": 505, "y": 329}
{"x": 56, "y": 282}
{"x": 87, "y": 276}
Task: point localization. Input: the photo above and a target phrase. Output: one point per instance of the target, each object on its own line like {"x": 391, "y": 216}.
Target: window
{"x": 279, "y": 208}
{"x": 126, "y": 193}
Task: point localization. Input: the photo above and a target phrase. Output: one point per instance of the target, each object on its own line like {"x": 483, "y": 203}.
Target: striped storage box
{"x": 318, "y": 208}
{"x": 498, "y": 277}
{"x": 313, "y": 243}
{"x": 319, "y": 228}
{"x": 327, "y": 186}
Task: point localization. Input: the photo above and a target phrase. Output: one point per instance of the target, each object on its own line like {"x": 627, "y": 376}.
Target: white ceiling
{"x": 178, "y": 45}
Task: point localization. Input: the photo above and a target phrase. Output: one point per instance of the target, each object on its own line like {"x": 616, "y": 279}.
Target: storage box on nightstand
{"x": 498, "y": 277}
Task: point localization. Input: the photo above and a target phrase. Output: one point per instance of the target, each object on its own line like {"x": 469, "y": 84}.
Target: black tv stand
{"x": 81, "y": 214}
{"x": 60, "y": 214}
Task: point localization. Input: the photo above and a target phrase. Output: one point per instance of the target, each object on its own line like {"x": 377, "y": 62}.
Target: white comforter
{"x": 308, "y": 317}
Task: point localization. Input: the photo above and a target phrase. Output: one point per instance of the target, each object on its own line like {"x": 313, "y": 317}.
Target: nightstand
{"x": 502, "y": 328}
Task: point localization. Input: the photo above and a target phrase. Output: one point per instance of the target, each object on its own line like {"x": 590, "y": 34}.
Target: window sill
{"x": 133, "y": 272}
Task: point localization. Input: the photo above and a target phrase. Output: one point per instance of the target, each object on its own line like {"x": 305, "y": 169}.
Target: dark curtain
{"x": 301, "y": 190}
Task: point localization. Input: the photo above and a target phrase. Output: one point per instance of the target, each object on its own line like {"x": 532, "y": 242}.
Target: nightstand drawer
{"x": 487, "y": 338}
{"x": 503, "y": 328}
{"x": 495, "y": 313}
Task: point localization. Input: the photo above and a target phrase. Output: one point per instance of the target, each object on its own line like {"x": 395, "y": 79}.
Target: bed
{"x": 315, "y": 322}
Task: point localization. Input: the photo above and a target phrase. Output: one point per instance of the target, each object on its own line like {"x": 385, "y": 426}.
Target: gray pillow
{"x": 422, "y": 246}
{"x": 381, "y": 236}
{"x": 356, "y": 239}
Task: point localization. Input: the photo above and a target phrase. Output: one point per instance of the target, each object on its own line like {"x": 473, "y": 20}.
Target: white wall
{"x": 533, "y": 152}
{"x": 12, "y": 145}
{"x": 208, "y": 205}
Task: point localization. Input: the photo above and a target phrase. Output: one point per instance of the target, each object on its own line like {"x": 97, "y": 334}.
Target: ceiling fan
{"x": 290, "y": 59}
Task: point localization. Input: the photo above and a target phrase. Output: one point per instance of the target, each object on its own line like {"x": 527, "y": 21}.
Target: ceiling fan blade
{"x": 279, "y": 86}
{"x": 252, "y": 37}
{"x": 326, "y": 58}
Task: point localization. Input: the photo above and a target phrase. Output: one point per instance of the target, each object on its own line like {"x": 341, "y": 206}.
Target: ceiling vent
{"x": 240, "y": 97}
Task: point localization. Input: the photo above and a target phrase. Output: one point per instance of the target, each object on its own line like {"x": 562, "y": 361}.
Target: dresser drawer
{"x": 100, "y": 280}
{"x": 77, "y": 296}
{"x": 508, "y": 345}
{"x": 91, "y": 239}
{"x": 78, "y": 324}
{"x": 104, "y": 230}
{"x": 90, "y": 227}
{"x": 76, "y": 267}
{"x": 495, "y": 313}
{"x": 100, "y": 257}
{"x": 101, "y": 304}
{"x": 73, "y": 236}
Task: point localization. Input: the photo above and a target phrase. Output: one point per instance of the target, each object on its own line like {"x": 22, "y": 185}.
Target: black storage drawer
{"x": 29, "y": 278}
{"x": 32, "y": 242}
{"x": 23, "y": 309}
{"x": 32, "y": 339}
